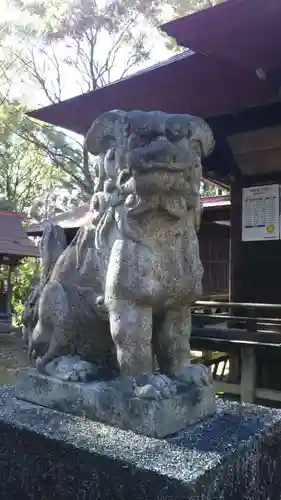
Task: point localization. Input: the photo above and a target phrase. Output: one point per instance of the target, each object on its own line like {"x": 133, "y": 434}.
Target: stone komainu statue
{"x": 52, "y": 244}
{"x": 121, "y": 291}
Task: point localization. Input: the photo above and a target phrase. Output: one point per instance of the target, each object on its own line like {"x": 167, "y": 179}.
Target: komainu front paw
{"x": 154, "y": 387}
{"x": 72, "y": 369}
{"x": 199, "y": 375}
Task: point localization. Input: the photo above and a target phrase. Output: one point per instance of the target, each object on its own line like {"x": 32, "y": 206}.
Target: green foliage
{"x": 21, "y": 280}
{"x": 207, "y": 189}
{"x": 66, "y": 154}
{"x": 87, "y": 42}
{"x": 26, "y": 175}
{"x": 24, "y": 169}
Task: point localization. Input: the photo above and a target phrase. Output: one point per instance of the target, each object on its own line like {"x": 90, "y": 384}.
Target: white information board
{"x": 261, "y": 213}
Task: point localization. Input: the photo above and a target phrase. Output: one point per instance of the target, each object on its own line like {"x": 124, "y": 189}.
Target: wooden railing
{"x": 243, "y": 336}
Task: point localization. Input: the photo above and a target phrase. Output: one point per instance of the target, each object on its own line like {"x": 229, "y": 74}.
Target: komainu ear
{"x": 201, "y": 133}
{"x": 106, "y": 132}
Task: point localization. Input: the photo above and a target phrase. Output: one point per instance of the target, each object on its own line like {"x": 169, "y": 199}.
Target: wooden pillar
{"x": 9, "y": 291}
{"x": 235, "y": 268}
{"x": 248, "y": 374}
{"x": 235, "y": 242}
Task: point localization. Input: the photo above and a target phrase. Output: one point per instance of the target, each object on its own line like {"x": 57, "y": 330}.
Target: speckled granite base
{"x": 108, "y": 402}
{"x": 47, "y": 455}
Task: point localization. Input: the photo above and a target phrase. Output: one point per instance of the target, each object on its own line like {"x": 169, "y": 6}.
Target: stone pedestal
{"x": 49, "y": 455}
{"x": 110, "y": 402}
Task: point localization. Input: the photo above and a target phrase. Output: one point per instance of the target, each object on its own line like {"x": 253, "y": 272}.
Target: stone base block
{"x": 48, "y": 455}
{"x": 111, "y": 402}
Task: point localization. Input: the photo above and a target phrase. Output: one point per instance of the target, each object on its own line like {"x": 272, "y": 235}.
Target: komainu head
{"x": 146, "y": 161}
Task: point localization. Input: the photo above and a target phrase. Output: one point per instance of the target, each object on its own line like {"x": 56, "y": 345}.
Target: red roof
{"x": 68, "y": 220}
{"x": 13, "y": 237}
{"x": 186, "y": 83}
{"x": 75, "y": 218}
{"x": 245, "y": 33}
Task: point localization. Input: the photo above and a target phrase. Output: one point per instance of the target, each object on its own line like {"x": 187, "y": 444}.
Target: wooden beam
{"x": 248, "y": 119}
{"x": 268, "y": 394}
{"x": 220, "y": 165}
{"x": 255, "y": 163}
{"x": 227, "y": 388}
{"x": 235, "y": 337}
{"x": 235, "y": 389}
{"x": 264, "y": 139}
{"x": 248, "y": 374}
{"x": 216, "y": 215}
